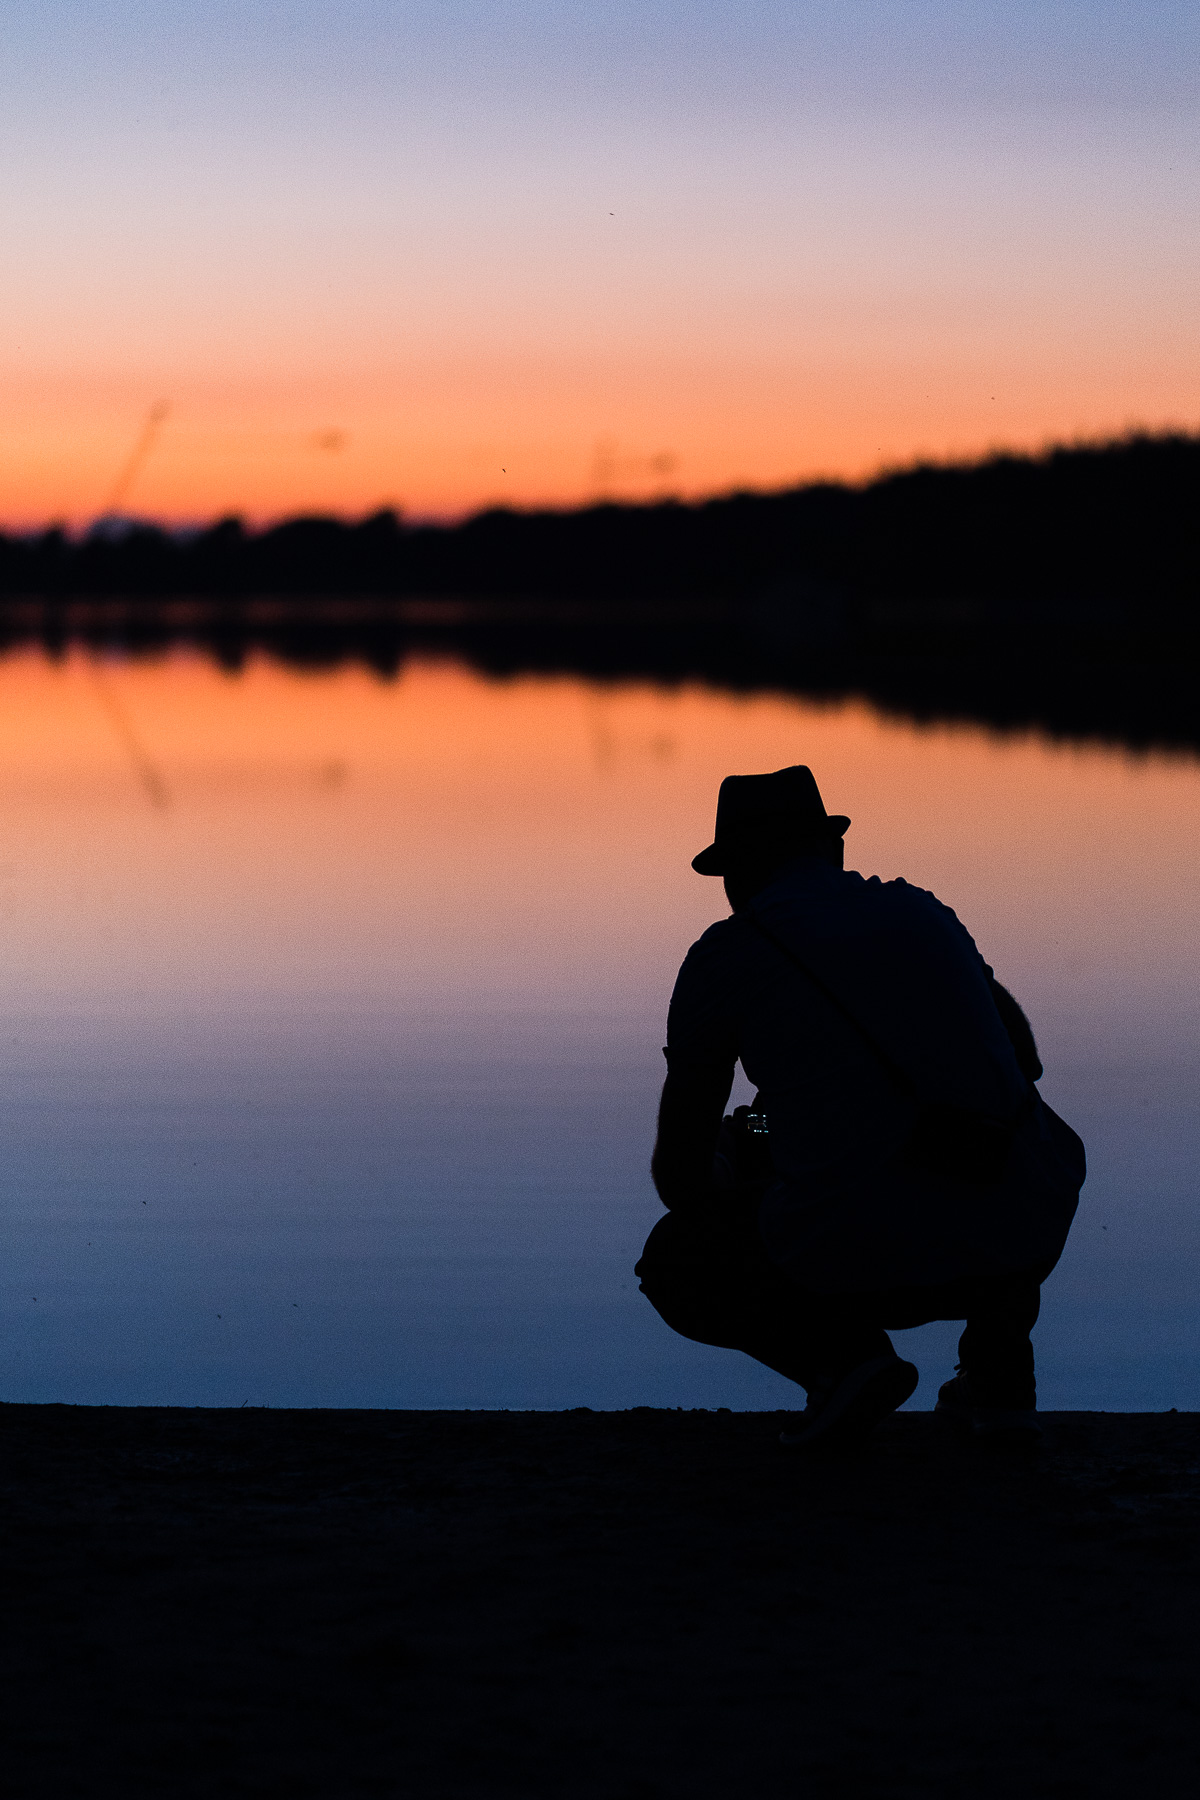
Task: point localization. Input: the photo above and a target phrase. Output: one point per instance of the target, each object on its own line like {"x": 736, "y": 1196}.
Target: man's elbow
{"x": 679, "y": 1180}
{"x": 664, "y": 1173}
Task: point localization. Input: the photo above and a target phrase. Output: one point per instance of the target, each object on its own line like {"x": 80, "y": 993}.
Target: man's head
{"x": 764, "y": 823}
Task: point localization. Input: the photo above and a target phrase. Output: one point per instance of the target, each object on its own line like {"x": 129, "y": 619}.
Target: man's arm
{"x": 689, "y": 1118}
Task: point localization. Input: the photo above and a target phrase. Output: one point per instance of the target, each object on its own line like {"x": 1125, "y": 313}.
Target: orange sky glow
{"x": 364, "y": 261}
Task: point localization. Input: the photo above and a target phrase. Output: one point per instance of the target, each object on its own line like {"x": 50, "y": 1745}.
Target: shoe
{"x": 845, "y": 1407}
{"x": 958, "y": 1408}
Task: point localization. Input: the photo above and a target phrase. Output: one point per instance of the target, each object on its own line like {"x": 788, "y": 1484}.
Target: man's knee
{"x": 688, "y": 1272}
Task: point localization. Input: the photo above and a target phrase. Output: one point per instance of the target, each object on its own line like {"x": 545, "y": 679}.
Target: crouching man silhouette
{"x": 897, "y": 1165}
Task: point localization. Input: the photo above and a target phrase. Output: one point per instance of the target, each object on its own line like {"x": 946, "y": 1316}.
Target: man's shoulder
{"x": 897, "y": 888}
{"x": 713, "y": 944}
{"x": 900, "y": 897}
{"x": 719, "y": 961}
{"x": 818, "y": 887}
{"x": 830, "y": 905}
{"x": 704, "y": 1003}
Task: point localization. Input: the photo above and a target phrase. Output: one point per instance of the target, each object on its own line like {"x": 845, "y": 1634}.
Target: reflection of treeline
{"x": 1060, "y": 589}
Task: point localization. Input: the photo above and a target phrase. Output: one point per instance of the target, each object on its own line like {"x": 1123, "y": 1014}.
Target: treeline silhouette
{"x": 1061, "y": 590}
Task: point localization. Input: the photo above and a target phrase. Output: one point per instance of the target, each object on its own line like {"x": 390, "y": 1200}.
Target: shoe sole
{"x": 860, "y": 1402}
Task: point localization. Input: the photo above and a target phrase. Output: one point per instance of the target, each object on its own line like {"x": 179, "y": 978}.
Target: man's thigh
{"x": 709, "y": 1277}
{"x": 1016, "y": 1296}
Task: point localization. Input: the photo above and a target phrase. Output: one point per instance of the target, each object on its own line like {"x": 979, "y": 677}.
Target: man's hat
{"x": 771, "y": 813}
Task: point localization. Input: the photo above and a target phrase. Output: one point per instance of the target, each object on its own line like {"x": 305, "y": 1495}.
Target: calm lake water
{"x": 332, "y": 1011}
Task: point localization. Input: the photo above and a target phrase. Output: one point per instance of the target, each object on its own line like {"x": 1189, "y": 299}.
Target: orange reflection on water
{"x": 176, "y": 836}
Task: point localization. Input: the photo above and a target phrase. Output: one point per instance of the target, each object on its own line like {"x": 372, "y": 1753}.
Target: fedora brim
{"x": 719, "y": 858}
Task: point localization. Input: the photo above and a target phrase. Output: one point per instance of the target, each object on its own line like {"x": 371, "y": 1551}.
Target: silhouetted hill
{"x": 1114, "y": 524}
{"x": 1059, "y": 590}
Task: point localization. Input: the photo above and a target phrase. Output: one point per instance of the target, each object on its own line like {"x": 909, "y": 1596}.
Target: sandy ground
{"x": 593, "y": 1604}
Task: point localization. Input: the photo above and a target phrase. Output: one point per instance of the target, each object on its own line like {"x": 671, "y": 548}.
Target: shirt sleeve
{"x": 702, "y": 1024}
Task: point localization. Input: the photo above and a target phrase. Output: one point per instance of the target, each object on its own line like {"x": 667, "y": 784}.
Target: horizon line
{"x": 122, "y": 524}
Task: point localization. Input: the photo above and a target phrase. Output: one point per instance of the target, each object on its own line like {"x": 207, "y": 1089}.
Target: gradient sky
{"x": 437, "y": 255}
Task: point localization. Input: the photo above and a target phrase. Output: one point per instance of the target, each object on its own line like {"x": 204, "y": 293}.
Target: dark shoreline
{"x": 1059, "y": 593}
{"x": 593, "y": 1604}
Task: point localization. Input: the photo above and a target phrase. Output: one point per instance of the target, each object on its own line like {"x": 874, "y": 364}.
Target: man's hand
{"x": 689, "y": 1118}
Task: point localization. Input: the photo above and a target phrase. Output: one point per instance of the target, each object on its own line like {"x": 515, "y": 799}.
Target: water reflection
{"x": 333, "y": 1010}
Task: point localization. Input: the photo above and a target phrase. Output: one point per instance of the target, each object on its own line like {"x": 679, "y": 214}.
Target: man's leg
{"x": 994, "y": 1389}
{"x": 811, "y": 1340}
{"x": 712, "y": 1281}
{"x": 994, "y": 1351}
